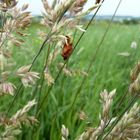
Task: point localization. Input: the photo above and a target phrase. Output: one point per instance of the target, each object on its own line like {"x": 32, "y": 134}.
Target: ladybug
{"x": 67, "y": 49}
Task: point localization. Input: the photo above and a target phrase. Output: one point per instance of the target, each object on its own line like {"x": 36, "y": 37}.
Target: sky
{"x": 127, "y": 8}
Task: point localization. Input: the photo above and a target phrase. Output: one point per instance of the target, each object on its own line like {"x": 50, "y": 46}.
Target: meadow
{"x": 109, "y": 71}
{"x": 67, "y": 75}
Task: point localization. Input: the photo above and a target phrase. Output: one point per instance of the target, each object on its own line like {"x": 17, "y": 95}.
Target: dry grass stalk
{"x": 14, "y": 21}
{"x": 106, "y": 100}
{"x": 10, "y": 133}
{"x": 28, "y": 78}
{"x": 135, "y": 78}
{"x": 13, "y": 126}
{"x": 71, "y": 72}
{"x": 7, "y": 88}
{"x": 21, "y": 115}
{"x": 128, "y": 127}
{"x": 48, "y": 77}
{"x": 64, "y": 132}
{"x": 7, "y": 4}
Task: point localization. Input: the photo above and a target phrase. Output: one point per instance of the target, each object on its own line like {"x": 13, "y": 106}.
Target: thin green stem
{"x": 94, "y": 56}
{"x": 42, "y": 78}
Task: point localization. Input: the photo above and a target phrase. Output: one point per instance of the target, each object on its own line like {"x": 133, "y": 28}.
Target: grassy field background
{"x": 109, "y": 71}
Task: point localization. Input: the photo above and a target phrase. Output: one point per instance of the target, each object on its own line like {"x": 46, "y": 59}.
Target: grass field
{"x": 109, "y": 71}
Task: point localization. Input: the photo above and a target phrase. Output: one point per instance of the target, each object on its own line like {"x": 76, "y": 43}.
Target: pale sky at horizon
{"x": 127, "y": 8}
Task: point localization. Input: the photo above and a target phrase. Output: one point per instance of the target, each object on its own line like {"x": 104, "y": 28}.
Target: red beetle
{"x": 67, "y": 49}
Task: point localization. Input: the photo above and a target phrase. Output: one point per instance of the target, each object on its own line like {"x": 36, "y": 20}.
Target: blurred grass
{"x": 108, "y": 72}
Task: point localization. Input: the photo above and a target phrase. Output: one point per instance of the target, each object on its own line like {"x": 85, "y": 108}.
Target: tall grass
{"x": 66, "y": 93}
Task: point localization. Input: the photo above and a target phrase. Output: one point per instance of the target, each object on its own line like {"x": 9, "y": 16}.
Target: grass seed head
{"x": 128, "y": 126}
{"x": 7, "y": 4}
{"x": 7, "y": 88}
{"x": 64, "y": 132}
